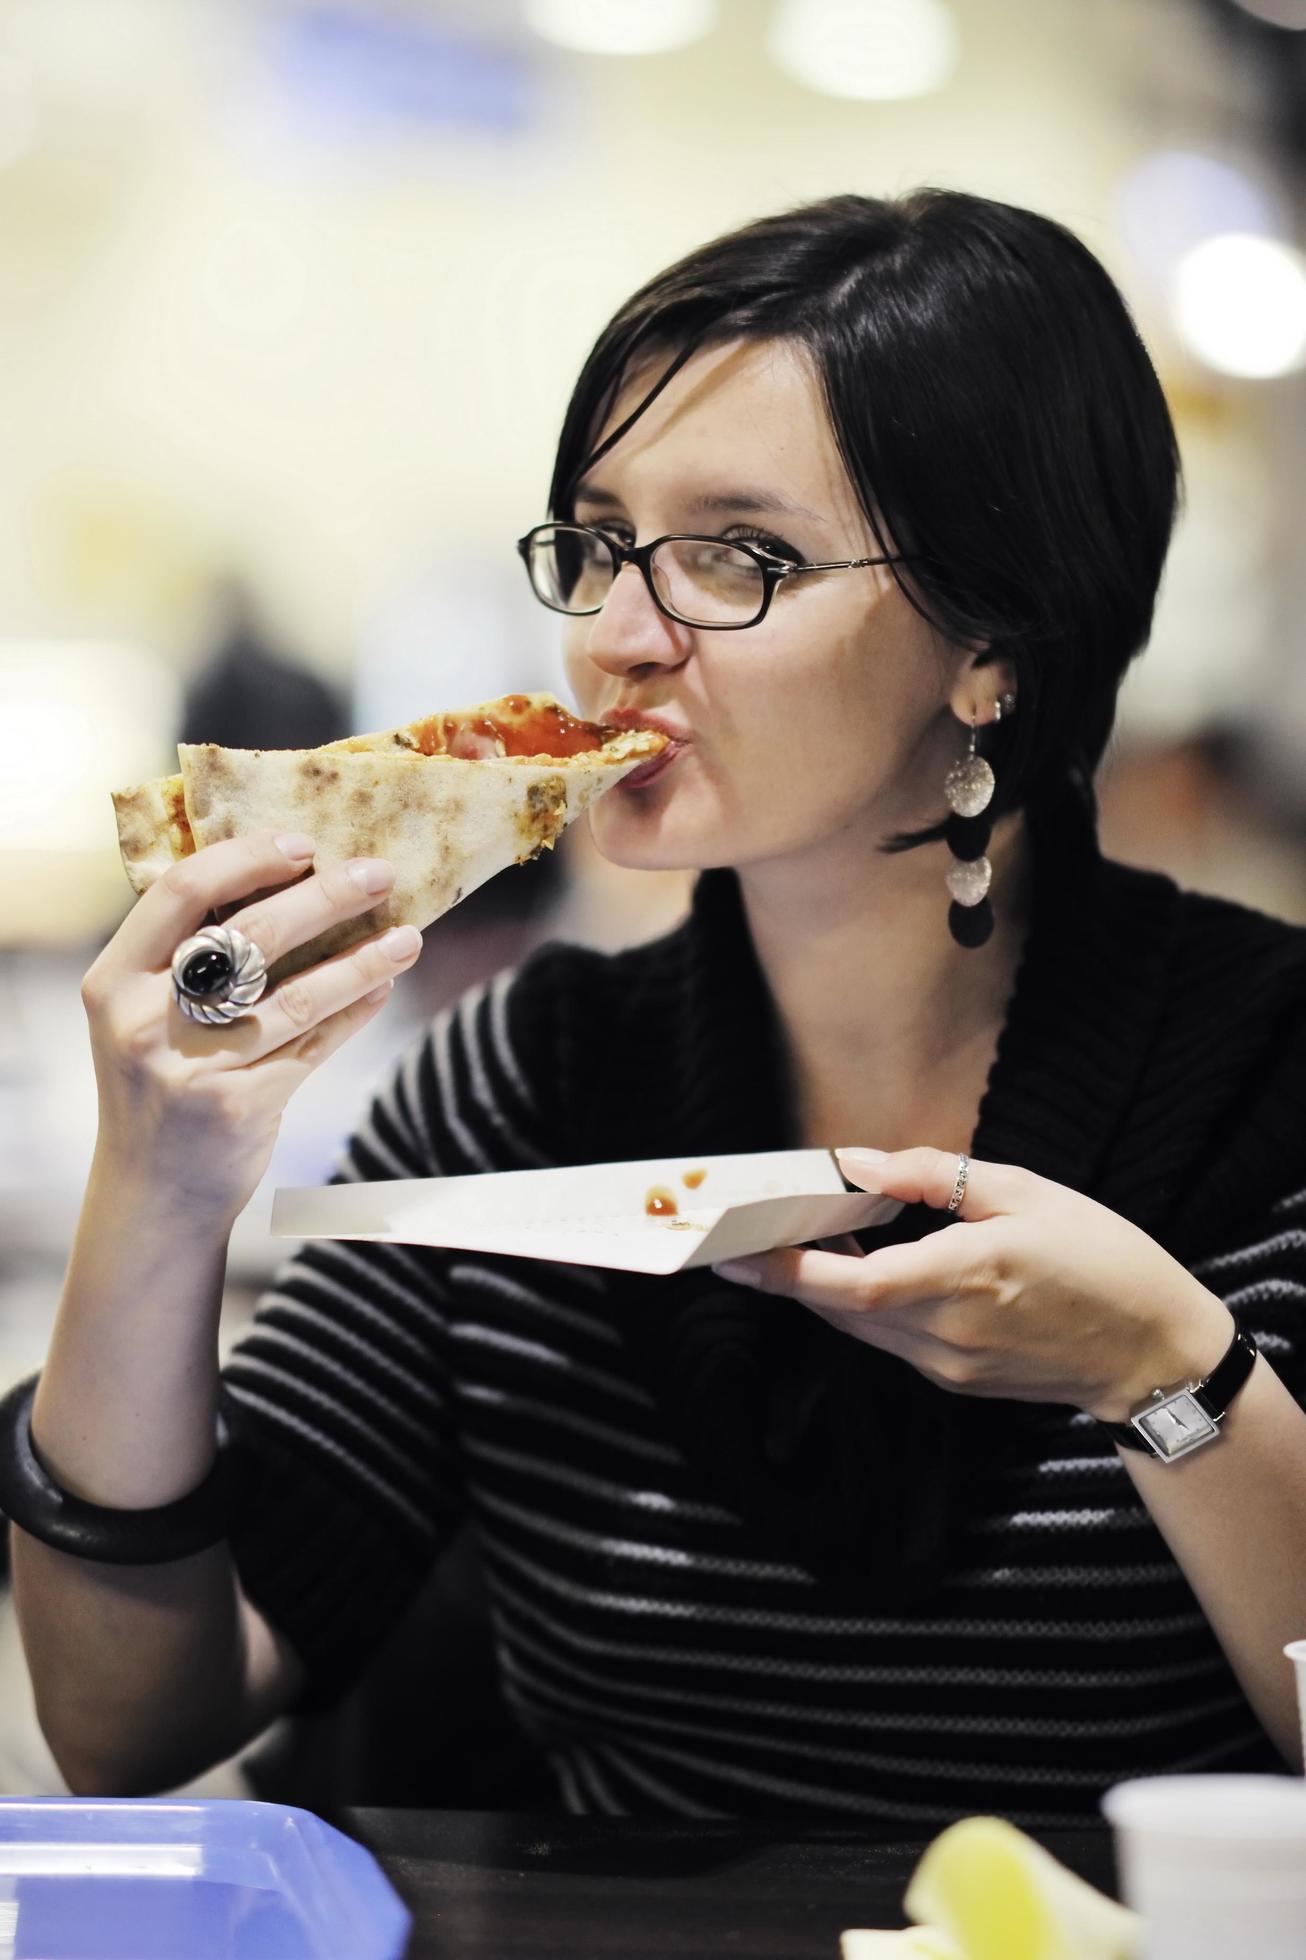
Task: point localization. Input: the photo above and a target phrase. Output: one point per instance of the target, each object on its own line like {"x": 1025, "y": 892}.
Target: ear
{"x": 980, "y": 685}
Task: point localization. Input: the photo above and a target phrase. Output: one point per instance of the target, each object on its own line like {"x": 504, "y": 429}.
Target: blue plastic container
{"x": 164, "y": 1879}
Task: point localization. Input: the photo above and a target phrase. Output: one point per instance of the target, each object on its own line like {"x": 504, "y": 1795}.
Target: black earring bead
{"x": 970, "y": 925}
{"x": 968, "y": 837}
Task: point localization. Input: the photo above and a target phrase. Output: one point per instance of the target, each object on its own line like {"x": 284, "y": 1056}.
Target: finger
{"x": 179, "y": 902}
{"x": 929, "y": 1177}
{"x": 299, "y": 1058}
{"x": 277, "y": 922}
{"x": 932, "y": 1268}
{"x": 307, "y": 1000}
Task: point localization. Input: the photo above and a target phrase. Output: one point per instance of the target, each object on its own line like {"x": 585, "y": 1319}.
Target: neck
{"x": 887, "y": 1020}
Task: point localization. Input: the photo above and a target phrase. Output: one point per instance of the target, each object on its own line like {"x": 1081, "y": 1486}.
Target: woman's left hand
{"x": 1037, "y": 1293}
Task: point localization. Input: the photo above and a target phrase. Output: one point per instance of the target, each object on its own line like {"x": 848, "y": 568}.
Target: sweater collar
{"x": 1089, "y": 995}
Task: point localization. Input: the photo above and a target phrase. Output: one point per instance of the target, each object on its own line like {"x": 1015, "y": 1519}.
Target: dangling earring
{"x": 969, "y": 787}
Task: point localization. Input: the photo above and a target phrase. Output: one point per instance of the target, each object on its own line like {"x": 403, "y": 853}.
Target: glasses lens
{"x": 571, "y": 568}
{"x": 708, "y": 582}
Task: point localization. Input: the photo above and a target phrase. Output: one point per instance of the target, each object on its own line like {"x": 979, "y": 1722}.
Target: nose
{"x": 629, "y": 631}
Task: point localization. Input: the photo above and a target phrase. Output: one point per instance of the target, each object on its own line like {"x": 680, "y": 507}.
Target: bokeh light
{"x": 1240, "y": 305}
{"x": 621, "y": 26}
{"x": 870, "y": 50}
{"x": 1171, "y": 201}
{"x": 1279, "y": 13}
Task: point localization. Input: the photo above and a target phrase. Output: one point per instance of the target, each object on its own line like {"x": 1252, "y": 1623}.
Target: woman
{"x": 900, "y": 1554}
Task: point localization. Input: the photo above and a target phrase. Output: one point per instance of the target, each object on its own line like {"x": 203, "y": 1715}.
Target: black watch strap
{"x": 1181, "y": 1419}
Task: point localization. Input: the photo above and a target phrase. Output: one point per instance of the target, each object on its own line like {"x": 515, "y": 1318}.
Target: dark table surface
{"x": 488, "y": 1883}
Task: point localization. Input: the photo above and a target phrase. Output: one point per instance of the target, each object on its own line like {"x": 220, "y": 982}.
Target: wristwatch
{"x": 1175, "y": 1420}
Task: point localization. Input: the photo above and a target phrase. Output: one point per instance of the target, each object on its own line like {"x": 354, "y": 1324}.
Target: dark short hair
{"x": 996, "y": 412}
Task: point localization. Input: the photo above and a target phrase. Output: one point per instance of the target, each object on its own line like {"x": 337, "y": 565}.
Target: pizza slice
{"x": 450, "y": 800}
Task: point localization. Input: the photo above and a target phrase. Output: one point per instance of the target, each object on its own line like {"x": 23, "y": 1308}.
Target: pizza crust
{"x": 153, "y": 829}
{"x": 446, "y": 823}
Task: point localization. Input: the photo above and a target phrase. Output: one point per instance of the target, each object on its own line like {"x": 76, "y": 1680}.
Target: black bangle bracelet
{"x": 31, "y": 1499}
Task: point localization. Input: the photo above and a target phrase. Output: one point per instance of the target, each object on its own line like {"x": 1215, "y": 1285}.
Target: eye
{"x": 766, "y": 541}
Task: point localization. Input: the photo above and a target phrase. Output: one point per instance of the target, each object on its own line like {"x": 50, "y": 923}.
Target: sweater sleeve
{"x": 1262, "y": 1281}
{"x": 341, "y": 1395}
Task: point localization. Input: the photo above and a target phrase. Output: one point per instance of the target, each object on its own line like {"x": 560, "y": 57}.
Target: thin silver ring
{"x": 957, "y": 1199}
{"x": 226, "y": 995}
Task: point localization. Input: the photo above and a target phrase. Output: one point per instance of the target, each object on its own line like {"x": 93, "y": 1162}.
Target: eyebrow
{"x": 721, "y": 500}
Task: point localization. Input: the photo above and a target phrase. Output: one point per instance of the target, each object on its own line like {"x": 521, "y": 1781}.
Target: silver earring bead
{"x": 969, "y": 883}
{"x": 969, "y": 784}
{"x": 969, "y": 788}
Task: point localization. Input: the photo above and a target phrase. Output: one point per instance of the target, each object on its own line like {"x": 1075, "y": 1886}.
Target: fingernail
{"x": 371, "y": 874}
{"x": 737, "y": 1269}
{"x": 858, "y": 1158}
{"x": 294, "y": 844}
{"x": 402, "y": 942}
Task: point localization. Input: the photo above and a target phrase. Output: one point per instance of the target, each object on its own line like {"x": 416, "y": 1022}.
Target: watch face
{"x": 1176, "y": 1425}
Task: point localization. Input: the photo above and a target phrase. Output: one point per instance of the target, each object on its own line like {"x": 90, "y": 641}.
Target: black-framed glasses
{"x": 721, "y": 583}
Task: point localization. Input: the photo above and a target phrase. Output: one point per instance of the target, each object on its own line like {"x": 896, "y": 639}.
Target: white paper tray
{"x": 596, "y": 1214}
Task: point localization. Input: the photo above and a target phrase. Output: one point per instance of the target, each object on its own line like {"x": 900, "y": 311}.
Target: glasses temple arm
{"x": 852, "y": 564}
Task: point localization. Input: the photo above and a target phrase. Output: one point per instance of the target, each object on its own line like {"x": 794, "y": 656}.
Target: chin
{"x": 640, "y": 837}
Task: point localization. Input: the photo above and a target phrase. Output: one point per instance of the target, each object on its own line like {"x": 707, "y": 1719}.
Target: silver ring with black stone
{"x": 217, "y": 975}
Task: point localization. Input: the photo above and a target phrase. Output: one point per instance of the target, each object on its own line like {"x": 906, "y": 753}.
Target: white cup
{"x": 1215, "y": 1865}
{"x": 1296, "y": 1652}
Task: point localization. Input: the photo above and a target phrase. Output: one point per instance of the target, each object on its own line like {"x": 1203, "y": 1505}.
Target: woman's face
{"x": 832, "y": 715}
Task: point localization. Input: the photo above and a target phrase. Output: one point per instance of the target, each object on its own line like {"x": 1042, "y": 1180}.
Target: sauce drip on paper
{"x": 661, "y": 1203}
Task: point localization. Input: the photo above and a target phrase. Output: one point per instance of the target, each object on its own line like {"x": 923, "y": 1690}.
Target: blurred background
{"x": 292, "y": 296}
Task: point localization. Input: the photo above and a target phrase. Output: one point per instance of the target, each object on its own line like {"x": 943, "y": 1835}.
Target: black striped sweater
{"x": 672, "y": 1636}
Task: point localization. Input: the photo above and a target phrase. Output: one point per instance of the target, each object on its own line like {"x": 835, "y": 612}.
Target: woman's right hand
{"x": 194, "y": 1110}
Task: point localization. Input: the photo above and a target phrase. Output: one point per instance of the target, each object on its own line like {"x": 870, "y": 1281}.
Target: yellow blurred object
{"x": 984, "y": 1891}
{"x": 1003, "y": 1897}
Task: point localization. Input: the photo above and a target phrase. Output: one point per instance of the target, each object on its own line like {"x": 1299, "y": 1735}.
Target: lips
{"x": 677, "y": 740}
{"x": 649, "y": 772}
{"x": 638, "y": 718}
